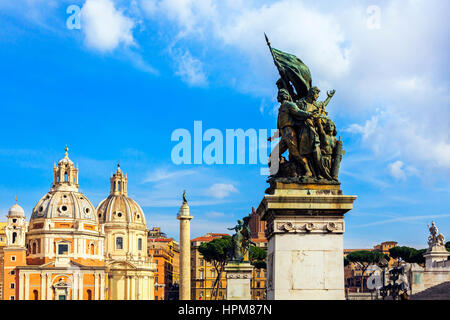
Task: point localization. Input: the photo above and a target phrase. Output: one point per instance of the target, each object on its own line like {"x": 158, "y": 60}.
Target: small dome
{"x": 120, "y": 208}
{"x": 66, "y": 159}
{"x": 16, "y": 211}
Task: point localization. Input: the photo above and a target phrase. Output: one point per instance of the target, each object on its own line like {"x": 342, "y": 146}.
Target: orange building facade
{"x": 203, "y": 273}
{"x": 60, "y": 253}
{"x": 163, "y": 256}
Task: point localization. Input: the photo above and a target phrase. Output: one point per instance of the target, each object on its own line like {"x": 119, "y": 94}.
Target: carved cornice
{"x": 321, "y": 226}
{"x": 242, "y": 275}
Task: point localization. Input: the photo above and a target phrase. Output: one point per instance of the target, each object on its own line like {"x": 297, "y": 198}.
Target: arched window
{"x": 92, "y": 249}
{"x": 33, "y": 250}
{"x": 65, "y": 176}
{"x": 14, "y": 236}
{"x": 139, "y": 244}
{"x": 118, "y": 186}
{"x": 89, "y": 294}
{"x": 35, "y": 295}
{"x": 119, "y": 243}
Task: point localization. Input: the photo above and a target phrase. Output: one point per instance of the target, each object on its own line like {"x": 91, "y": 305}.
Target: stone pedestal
{"x": 435, "y": 254}
{"x": 305, "y": 227}
{"x": 238, "y": 280}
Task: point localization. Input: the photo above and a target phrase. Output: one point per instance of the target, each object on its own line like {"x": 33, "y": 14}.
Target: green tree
{"x": 346, "y": 262}
{"x": 216, "y": 252}
{"x": 408, "y": 254}
{"x": 364, "y": 259}
{"x": 257, "y": 257}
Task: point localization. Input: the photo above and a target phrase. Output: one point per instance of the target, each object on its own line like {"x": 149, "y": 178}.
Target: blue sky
{"x": 115, "y": 90}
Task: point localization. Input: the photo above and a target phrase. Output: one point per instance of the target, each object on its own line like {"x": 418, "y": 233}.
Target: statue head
{"x": 313, "y": 93}
{"x": 330, "y": 127}
{"x": 283, "y": 95}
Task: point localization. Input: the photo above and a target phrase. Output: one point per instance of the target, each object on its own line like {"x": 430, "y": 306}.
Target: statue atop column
{"x": 304, "y": 127}
{"x": 435, "y": 239}
{"x": 241, "y": 241}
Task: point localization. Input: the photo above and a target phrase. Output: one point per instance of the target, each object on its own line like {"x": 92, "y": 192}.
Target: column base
{"x": 305, "y": 227}
{"x": 238, "y": 277}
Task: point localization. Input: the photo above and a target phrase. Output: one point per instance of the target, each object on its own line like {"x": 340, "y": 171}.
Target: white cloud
{"x": 162, "y": 174}
{"x": 401, "y": 219}
{"x": 221, "y": 190}
{"x": 366, "y": 130}
{"x": 104, "y": 26}
{"x": 397, "y": 171}
{"x": 215, "y": 214}
{"x": 190, "y": 69}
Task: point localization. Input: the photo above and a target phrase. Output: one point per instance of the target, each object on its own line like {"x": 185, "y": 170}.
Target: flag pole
{"x": 285, "y": 84}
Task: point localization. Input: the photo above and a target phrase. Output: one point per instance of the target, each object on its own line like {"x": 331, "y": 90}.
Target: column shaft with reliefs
{"x": 185, "y": 252}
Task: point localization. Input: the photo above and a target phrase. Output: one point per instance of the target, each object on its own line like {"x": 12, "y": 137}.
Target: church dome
{"x": 64, "y": 204}
{"x": 16, "y": 211}
{"x": 64, "y": 200}
{"x": 118, "y": 207}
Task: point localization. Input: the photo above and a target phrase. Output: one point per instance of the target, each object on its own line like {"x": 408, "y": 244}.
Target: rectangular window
{"x": 12, "y": 298}
{"x": 139, "y": 244}
{"x": 12, "y": 285}
{"x": 13, "y": 258}
{"x": 201, "y": 274}
{"x": 119, "y": 243}
{"x": 63, "y": 248}
{"x": 13, "y": 272}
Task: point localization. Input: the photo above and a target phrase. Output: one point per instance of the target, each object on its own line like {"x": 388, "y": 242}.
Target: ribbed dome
{"x": 120, "y": 208}
{"x": 64, "y": 204}
{"x": 16, "y": 211}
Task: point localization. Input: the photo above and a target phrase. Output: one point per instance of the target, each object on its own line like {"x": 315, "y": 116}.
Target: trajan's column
{"x": 185, "y": 250}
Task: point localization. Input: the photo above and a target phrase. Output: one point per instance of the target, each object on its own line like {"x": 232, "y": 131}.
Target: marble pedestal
{"x": 305, "y": 227}
{"x": 238, "y": 280}
{"x": 435, "y": 254}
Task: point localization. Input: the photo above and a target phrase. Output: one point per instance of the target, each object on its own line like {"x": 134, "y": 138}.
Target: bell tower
{"x": 65, "y": 174}
{"x": 119, "y": 182}
{"x": 16, "y": 227}
{"x": 14, "y": 252}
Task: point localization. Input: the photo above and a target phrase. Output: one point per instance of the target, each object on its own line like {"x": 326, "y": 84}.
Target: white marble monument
{"x": 436, "y": 248}
{"x": 305, "y": 227}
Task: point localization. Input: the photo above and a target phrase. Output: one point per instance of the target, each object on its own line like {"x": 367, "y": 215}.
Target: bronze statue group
{"x": 304, "y": 127}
